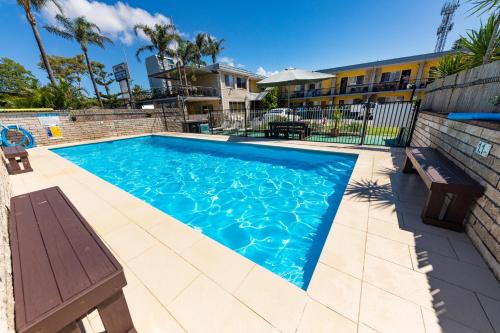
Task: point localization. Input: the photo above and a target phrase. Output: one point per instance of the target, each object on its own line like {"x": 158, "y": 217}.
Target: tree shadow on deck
{"x": 452, "y": 285}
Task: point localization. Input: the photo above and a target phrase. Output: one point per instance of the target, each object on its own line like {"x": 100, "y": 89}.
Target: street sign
{"x": 121, "y": 72}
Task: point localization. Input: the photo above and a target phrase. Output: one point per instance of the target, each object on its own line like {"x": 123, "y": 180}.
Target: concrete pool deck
{"x": 381, "y": 269}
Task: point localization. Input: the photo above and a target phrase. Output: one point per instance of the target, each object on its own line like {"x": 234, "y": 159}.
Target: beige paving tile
{"x": 362, "y": 328}
{"x": 336, "y": 290}
{"x": 206, "y": 307}
{"x": 413, "y": 222}
{"x": 163, "y": 272}
{"x": 148, "y": 314}
{"x": 435, "y": 324}
{"x": 353, "y": 213}
{"x": 383, "y": 210}
{"x": 272, "y": 297}
{"x": 492, "y": 309}
{"x": 319, "y": 319}
{"x": 87, "y": 326}
{"x": 175, "y": 234}
{"x": 344, "y": 249}
{"x": 460, "y": 273}
{"x": 390, "y": 250}
{"x": 221, "y": 264}
{"x": 144, "y": 215}
{"x": 96, "y": 323}
{"x": 467, "y": 252}
{"x": 458, "y": 304}
{"x": 388, "y": 313}
{"x": 421, "y": 240}
{"x": 106, "y": 220}
{"x": 398, "y": 280}
{"x": 129, "y": 241}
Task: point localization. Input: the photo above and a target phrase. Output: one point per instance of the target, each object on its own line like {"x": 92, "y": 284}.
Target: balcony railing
{"x": 359, "y": 89}
{"x": 178, "y": 90}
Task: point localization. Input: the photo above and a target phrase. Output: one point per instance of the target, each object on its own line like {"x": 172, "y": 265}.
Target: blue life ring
{"x": 28, "y": 140}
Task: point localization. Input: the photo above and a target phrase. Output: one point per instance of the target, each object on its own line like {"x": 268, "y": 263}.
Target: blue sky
{"x": 270, "y": 35}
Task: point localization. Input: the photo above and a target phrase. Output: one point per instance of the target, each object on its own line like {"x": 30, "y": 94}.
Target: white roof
{"x": 293, "y": 76}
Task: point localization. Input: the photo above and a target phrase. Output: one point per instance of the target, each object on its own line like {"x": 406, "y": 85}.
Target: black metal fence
{"x": 385, "y": 124}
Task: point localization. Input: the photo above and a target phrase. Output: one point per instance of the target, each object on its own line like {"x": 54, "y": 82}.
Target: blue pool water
{"x": 274, "y": 206}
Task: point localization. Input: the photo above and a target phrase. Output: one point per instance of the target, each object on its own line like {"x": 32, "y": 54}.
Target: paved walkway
{"x": 381, "y": 269}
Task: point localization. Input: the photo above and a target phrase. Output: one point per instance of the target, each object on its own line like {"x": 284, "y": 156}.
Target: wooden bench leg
{"x": 26, "y": 163}
{"x": 115, "y": 315}
{"x": 408, "y": 166}
{"x": 13, "y": 166}
{"x": 74, "y": 327}
{"x": 433, "y": 206}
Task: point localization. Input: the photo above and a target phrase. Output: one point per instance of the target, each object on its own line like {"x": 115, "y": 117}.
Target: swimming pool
{"x": 274, "y": 206}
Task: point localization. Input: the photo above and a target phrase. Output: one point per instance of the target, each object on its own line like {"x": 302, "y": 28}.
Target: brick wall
{"x": 92, "y": 124}
{"x": 457, "y": 140}
{"x": 6, "y": 294}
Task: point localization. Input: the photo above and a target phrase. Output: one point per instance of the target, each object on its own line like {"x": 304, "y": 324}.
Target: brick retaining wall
{"x": 6, "y": 293}
{"x": 92, "y": 124}
{"x": 457, "y": 140}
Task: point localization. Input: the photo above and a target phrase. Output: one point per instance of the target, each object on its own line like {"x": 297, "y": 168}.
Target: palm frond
{"x": 144, "y": 48}
{"x": 480, "y": 7}
{"x": 59, "y": 32}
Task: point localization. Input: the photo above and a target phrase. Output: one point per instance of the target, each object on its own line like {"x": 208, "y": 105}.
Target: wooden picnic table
{"x": 285, "y": 128}
{"x": 61, "y": 269}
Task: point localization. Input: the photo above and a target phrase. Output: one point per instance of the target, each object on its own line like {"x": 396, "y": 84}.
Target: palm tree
{"x": 85, "y": 33}
{"x": 163, "y": 37}
{"x": 28, "y": 5}
{"x": 186, "y": 54}
{"x": 201, "y": 48}
{"x": 214, "y": 47}
{"x": 483, "y": 6}
{"x": 476, "y": 44}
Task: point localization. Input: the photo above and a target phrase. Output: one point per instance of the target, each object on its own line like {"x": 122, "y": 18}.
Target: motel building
{"x": 379, "y": 81}
{"x": 200, "y": 90}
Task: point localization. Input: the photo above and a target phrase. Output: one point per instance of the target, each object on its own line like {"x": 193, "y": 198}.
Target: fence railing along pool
{"x": 386, "y": 124}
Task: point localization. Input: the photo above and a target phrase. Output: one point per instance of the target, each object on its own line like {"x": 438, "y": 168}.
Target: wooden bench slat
{"x": 69, "y": 274}
{"x": 34, "y": 265}
{"x": 438, "y": 173}
{"x": 61, "y": 269}
{"x": 94, "y": 261}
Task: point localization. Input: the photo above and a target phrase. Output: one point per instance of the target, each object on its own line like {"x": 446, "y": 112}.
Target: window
{"x": 207, "y": 108}
{"x": 237, "y": 106}
{"x": 354, "y": 80}
{"x": 390, "y": 76}
{"x": 241, "y": 82}
{"x": 229, "y": 81}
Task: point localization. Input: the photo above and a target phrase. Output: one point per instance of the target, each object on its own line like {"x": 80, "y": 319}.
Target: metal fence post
{"x": 246, "y": 134}
{"x": 210, "y": 121}
{"x": 413, "y": 121}
{"x": 365, "y": 122}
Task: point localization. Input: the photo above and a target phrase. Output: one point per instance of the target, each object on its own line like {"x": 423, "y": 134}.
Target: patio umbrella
{"x": 291, "y": 76}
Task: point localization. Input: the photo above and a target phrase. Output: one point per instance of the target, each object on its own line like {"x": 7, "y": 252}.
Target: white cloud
{"x": 227, "y": 61}
{"x": 240, "y": 66}
{"x": 263, "y": 72}
{"x": 117, "y": 21}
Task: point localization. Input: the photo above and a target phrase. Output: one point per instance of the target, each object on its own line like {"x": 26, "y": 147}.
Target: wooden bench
{"x": 61, "y": 269}
{"x": 277, "y": 128}
{"x": 16, "y": 156}
{"x": 451, "y": 190}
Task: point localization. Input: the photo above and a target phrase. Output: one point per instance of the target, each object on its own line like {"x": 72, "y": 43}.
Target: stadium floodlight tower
{"x": 447, "y": 12}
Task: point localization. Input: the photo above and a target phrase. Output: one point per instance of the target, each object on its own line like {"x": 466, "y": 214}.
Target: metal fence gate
{"x": 381, "y": 124}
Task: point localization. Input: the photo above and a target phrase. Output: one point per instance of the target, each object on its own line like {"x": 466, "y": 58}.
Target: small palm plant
{"x": 84, "y": 33}
{"x": 492, "y": 6}
{"x": 449, "y": 65}
{"x": 476, "y": 44}
{"x": 29, "y": 6}
{"x": 337, "y": 118}
{"x": 214, "y": 47}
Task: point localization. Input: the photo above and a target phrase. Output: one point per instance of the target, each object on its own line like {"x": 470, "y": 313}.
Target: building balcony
{"x": 358, "y": 89}
{"x": 179, "y": 90}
